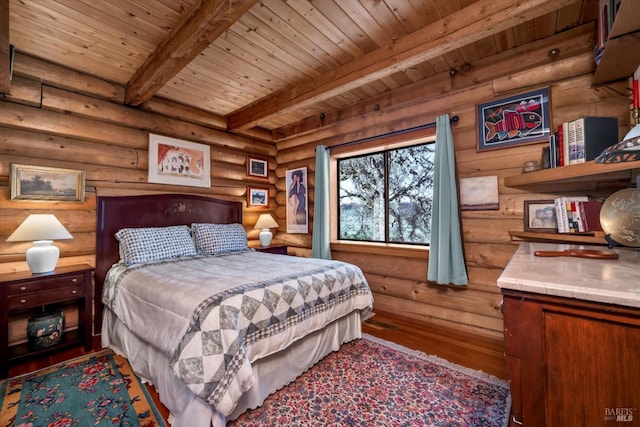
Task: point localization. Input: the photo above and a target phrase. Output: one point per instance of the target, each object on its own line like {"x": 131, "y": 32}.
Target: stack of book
{"x": 582, "y": 140}
{"x": 578, "y": 214}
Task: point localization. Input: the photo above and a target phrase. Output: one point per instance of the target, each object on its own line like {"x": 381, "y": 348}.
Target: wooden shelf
{"x": 580, "y": 177}
{"x": 528, "y": 236}
{"x": 618, "y": 61}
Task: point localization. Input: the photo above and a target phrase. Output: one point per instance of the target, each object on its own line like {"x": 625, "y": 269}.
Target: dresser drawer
{"x": 45, "y": 297}
{"x": 52, "y": 283}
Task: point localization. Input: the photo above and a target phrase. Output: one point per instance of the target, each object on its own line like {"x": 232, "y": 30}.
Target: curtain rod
{"x": 453, "y": 119}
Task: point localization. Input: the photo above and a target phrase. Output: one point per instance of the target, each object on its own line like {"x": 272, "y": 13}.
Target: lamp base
{"x": 43, "y": 256}
{"x": 265, "y": 237}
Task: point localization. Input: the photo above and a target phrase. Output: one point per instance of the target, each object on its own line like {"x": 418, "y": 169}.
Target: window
{"x": 386, "y": 196}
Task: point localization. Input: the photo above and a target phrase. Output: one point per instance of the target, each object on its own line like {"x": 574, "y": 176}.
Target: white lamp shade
{"x": 42, "y": 229}
{"x": 265, "y": 222}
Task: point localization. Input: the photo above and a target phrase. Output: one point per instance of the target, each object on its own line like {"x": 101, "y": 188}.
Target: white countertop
{"x": 607, "y": 281}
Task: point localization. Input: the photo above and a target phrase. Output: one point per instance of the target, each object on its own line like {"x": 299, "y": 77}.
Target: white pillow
{"x": 216, "y": 239}
{"x": 140, "y": 245}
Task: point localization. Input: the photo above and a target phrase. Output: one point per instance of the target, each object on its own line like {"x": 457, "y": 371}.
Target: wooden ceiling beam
{"x": 569, "y": 43}
{"x": 198, "y": 29}
{"x": 5, "y": 59}
{"x": 475, "y": 22}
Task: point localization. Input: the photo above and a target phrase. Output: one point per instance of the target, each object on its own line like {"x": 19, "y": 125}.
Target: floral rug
{"x": 98, "y": 389}
{"x": 372, "y": 382}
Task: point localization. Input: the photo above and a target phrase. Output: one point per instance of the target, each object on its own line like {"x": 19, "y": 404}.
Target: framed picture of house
{"x": 257, "y": 197}
{"x": 41, "y": 183}
{"x": 540, "y": 216}
{"x": 177, "y": 162}
{"x": 257, "y": 167}
{"x": 516, "y": 120}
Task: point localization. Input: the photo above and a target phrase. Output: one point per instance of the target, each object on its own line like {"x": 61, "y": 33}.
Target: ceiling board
{"x": 272, "y": 50}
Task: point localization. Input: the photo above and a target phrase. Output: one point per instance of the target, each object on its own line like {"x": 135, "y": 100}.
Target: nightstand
{"x": 23, "y": 292}
{"x": 280, "y": 249}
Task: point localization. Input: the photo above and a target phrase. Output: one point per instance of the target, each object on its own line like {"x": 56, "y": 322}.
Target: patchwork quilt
{"x": 215, "y": 315}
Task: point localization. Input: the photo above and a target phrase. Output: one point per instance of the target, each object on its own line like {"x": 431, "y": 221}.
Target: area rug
{"x": 98, "y": 389}
{"x": 372, "y": 382}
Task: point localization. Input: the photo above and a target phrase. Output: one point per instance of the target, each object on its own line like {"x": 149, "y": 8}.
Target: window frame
{"x": 383, "y": 144}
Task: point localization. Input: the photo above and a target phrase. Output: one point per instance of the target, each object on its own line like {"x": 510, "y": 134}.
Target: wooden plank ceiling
{"x": 273, "y": 63}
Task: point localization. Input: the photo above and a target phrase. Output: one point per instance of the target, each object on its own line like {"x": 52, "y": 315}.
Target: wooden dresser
{"x": 572, "y": 337}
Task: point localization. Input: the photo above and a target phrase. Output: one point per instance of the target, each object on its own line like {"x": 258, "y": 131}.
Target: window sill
{"x": 390, "y": 249}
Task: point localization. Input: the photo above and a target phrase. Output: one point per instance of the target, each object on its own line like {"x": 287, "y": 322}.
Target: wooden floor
{"x": 458, "y": 347}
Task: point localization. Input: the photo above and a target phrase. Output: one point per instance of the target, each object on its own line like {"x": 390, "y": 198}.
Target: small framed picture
{"x": 257, "y": 167}
{"x": 43, "y": 183}
{"x": 257, "y": 197}
{"x": 540, "y": 216}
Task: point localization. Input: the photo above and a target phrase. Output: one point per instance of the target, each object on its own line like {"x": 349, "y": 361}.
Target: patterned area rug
{"x": 98, "y": 389}
{"x": 371, "y": 382}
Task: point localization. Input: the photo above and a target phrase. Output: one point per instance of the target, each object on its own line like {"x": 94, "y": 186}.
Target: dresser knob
{"x": 74, "y": 280}
{"x": 22, "y": 301}
{"x": 23, "y": 288}
{"x": 74, "y": 291}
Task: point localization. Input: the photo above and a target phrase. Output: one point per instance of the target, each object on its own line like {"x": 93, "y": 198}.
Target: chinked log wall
{"x": 56, "y": 117}
{"x": 398, "y": 276}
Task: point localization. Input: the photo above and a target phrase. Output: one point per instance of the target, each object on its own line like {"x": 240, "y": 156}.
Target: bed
{"x": 215, "y": 326}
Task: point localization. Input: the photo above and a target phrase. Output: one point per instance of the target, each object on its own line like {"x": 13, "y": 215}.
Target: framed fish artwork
{"x": 516, "y": 120}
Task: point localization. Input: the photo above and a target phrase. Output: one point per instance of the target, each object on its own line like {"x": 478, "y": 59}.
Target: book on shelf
{"x": 590, "y": 215}
{"x": 572, "y": 144}
{"x": 565, "y": 144}
{"x": 607, "y": 11}
{"x": 564, "y": 213}
{"x": 583, "y": 139}
{"x": 593, "y": 135}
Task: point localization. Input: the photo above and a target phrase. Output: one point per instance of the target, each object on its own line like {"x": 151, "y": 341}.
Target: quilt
{"x": 213, "y": 316}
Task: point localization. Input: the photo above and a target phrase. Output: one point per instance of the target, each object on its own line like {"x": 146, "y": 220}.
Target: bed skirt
{"x": 272, "y": 372}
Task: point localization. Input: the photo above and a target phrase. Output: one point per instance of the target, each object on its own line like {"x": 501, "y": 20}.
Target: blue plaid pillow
{"x": 140, "y": 245}
{"x": 216, "y": 239}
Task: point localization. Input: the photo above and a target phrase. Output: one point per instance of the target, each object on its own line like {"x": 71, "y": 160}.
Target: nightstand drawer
{"x": 45, "y": 297}
{"x": 52, "y": 283}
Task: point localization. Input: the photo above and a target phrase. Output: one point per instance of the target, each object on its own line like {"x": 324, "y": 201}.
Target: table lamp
{"x": 42, "y": 229}
{"x": 265, "y": 222}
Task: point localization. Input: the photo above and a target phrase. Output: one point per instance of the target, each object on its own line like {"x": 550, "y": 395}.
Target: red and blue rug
{"x": 371, "y": 382}
{"x": 99, "y": 389}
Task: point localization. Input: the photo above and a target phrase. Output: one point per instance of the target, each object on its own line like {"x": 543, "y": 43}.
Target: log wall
{"x": 58, "y": 117}
{"x": 398, "y": 275}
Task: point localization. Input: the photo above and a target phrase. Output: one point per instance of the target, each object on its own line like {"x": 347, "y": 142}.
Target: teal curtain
{"x": 446, "y": 257}
{"x": 320, "y": 243}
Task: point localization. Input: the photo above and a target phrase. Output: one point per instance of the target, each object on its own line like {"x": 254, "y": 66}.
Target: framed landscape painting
{"x": 516, "y": 120}
{"x": 257, "y": 197}
{"x": 46, "y": 184}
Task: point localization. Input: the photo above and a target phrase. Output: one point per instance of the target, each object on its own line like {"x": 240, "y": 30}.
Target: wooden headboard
{"x": 160, "y": 210}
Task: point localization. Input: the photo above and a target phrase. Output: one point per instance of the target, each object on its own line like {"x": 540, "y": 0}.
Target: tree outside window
{"x": 386, "y": 196}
